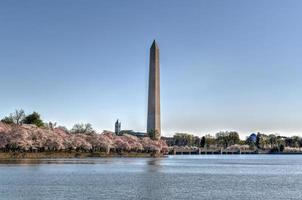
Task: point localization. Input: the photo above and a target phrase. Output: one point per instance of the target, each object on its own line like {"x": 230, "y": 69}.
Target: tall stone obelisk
{"x": 153, "y": 120}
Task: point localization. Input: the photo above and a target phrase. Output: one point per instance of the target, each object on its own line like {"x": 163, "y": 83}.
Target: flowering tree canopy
{"x": 28, "y": 137}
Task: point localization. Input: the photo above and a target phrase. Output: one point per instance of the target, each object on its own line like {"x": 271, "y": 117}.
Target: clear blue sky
{"x": 225, "y": 65}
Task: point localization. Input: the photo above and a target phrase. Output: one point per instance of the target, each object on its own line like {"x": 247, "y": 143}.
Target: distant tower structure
{"x": 117, "y": 127}
{"x": 153, "y": 119}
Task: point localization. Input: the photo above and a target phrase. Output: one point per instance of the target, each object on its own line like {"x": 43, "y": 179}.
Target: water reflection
{"x": 150, "y": 186}
{"x": 154, "y": 164}
{"x": 54, "y": 161}
{"x": 177, "y": 177}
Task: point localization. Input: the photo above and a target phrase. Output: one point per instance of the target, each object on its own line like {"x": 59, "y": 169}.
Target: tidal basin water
{"x": 174, "y": 177}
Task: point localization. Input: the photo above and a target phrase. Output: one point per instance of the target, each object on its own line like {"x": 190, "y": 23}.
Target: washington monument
{"x": 153, "y": 119}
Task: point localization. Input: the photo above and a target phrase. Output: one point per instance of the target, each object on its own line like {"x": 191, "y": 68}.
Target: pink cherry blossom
{"x": 30, "y": 137}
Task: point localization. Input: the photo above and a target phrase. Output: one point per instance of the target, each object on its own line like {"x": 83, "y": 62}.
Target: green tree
{"x": 34, "y": 118}
{"x": 225, "y": 139}
{"x": 262, "y": 141}
{"x": 197, "y": 141}
{"x": 272, "y": 140}
{"x": 233, "y": 138}
{"x": 154, "y": 134}
{"x": 222, "y": 139}
{"x": 15, "y": 118}
{"x": 8, "y": 120}
{"x": 281, "y": 148}
{"x": 203, "y": 141}
{"x": 185, "y": 139}
{"x": 209, "y": 140}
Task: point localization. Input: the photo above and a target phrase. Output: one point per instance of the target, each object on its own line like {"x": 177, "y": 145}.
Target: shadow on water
{"x": 54, "y": 161}
{"x": 151, "y": 187}
{"x": 154, "y": 164}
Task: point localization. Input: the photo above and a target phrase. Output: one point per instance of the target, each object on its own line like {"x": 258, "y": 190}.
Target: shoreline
{"x": 51, "y": 155}
{"x": 70, "y": 155}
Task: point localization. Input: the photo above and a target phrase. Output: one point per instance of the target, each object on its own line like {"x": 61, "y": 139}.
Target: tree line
{"x": 19, "y": 117}
{"x": 221, "y": 139}
{"x": 29, "y": 133}
{"x": 225, "y": 139}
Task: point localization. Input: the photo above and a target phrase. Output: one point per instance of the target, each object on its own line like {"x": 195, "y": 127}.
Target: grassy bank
{"x": 45, "y": 155}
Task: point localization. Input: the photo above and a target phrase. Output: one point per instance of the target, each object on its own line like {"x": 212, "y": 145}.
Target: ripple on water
{"x": 175, "y": 177}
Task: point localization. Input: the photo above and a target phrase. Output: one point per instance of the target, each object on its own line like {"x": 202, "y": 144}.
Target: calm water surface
{"x": 175, "y": 177}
